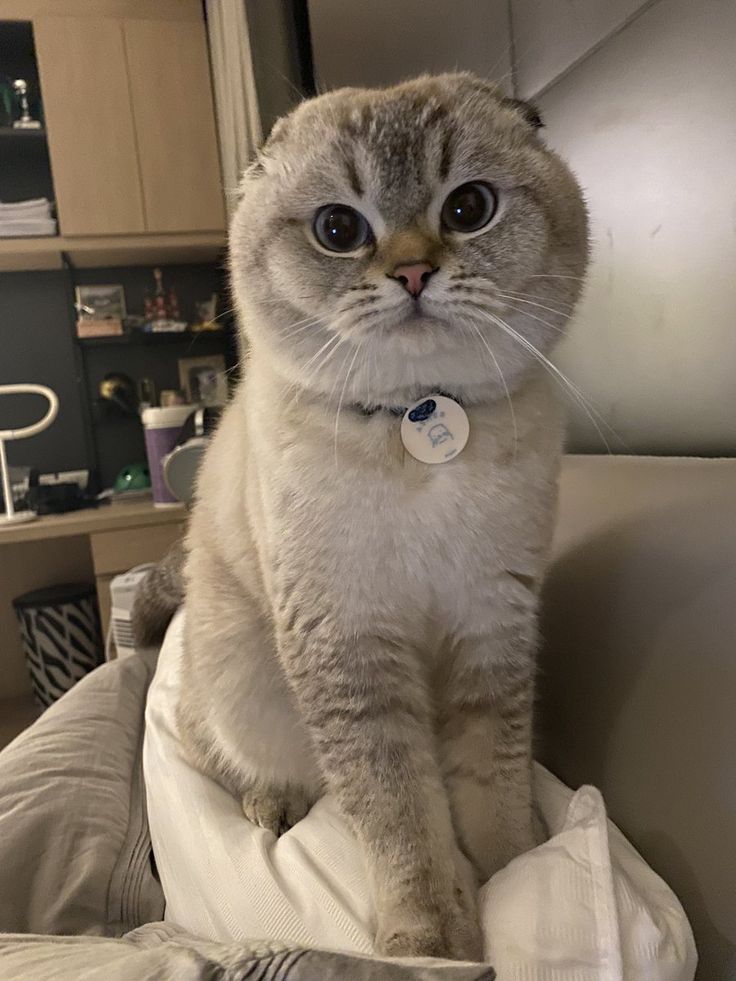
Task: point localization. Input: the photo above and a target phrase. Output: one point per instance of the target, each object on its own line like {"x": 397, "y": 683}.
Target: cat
{"x": 359, "y": 621}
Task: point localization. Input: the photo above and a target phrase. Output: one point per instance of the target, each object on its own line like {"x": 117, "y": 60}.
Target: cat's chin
{"x": 416, "y": 334}
{"x": 417, "y": 318}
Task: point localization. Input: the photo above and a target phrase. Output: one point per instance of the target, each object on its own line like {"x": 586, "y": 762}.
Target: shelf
{"x": 18, "y": 254}
{"x": 107, "y": 517}
{"x": 145, "y": 337}
{"x": 8, "y": 133}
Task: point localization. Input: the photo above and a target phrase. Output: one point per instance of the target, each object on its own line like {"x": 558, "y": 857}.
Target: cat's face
{"x": 394, "y": 241}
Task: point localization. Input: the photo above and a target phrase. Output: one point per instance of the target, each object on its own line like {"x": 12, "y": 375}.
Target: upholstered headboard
{"x": 638, "y": 670}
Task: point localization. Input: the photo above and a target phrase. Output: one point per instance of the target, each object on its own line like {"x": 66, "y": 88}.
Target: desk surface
{"x": 107, "y": 517}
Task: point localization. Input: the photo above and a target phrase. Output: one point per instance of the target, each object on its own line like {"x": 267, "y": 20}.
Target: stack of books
{"x": 23, "y": 218}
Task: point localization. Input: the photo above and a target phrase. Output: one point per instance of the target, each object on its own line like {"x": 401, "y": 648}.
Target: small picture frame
{"x": 100, "y": 302}
{"x": 204, "y": 380}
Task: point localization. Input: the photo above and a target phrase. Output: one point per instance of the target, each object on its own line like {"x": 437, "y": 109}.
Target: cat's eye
{"x": 340, "y": 228}
{"x": 469, "y": 207}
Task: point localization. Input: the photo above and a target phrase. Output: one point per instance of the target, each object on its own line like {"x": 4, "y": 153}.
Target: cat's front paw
{"x": 450, "y": 929}
{"x": 446, "y": 935}
{"x": 275, "y": 809}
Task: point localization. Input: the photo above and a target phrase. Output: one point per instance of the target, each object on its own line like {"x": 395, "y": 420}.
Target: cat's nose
{"x": 413, "y": 276}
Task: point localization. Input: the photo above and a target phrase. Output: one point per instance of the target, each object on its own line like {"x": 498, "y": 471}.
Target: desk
{"x": 79, "y": 546}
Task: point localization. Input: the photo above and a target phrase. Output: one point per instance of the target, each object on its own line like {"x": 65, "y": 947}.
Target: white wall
{"x": 552, "y": 35}
{"x": 640, "y": 97}
{"x": 648, "y": 123}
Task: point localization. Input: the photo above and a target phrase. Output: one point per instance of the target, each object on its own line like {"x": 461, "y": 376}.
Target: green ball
{"x": 135, "y": 476}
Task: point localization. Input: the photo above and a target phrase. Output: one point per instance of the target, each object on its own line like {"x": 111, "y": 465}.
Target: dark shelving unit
{"x": 26, "y": 169}
{"x": 31, "y": 135}
{"x": 150, "y": 337}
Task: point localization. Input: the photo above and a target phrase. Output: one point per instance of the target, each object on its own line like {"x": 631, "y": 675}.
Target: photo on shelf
{"x": 100, "y": 302}
{"x": 204, "y": 380}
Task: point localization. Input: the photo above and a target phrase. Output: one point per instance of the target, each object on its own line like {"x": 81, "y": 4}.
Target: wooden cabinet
{"x": 89, "y": 117}
{"x": 175, "y": 124}
{"x": 115, "y": 552}
{"x": 130, "y": 117}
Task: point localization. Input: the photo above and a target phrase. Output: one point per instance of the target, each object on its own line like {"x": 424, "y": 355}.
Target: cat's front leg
{"x": 486, "y": 745}
{"x": 367, "y": 711}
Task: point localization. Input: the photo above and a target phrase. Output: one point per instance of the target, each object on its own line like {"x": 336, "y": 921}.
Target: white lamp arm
{"x": 37, "y": 427}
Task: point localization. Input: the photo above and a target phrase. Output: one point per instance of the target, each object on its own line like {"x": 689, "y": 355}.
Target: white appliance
{"x": 6, "y": 435}
{"x": 122, "y": 594}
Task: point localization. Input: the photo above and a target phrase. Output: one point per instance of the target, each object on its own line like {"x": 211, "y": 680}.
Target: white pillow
{"x": 582, "y": 907}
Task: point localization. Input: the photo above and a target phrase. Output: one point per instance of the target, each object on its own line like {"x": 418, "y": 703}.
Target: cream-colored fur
{"x": 358, "y": 621}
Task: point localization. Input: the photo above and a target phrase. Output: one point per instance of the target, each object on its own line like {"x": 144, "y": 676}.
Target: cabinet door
{"x": 94, "y": 164}
{"x": 175, "y": 125}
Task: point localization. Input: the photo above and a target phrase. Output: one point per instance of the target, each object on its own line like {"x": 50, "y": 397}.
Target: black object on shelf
{"x": 25, "y": 172}
{"x": 58, "y": 498}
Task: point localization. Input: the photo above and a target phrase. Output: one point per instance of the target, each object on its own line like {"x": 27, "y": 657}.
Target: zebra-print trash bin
{"x": 62, "y": 639}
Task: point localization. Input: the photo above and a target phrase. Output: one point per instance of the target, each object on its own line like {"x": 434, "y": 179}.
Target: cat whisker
{"x": 532, "y": 300}
{"x": 342, "y": 396}
{"x": 372, "y": 363}
{"x": 300, "y": 95}
{"x": 532, "y": 316}
{"x": 507, "y": 56}
{"x": 512, "y": 413}
{"x": 297, "y": 323}
{"x": 308, "y": 376}
{"x": 224, "y": 313}
{"x": 515, "y": 295}
{"x": 562, "y": 379}
{"x": 317, "y": 368}
{"x": 580, "y": 279}
{"x": 288, "y": 333}
{"x": 367, "y": 315}
{"x": 233, "y": 368}
{"x": 360, "y": 303}
{"x": 325, "y": 346}
{"x": 589, "y": 401}
{"x": 378, "y": 346}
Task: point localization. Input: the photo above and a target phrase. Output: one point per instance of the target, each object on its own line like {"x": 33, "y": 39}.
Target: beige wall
{"x": 377, "y": 42}
{"x": 648, "y": 124}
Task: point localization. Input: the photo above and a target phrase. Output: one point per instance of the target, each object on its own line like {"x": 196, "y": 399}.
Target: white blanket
{"x": 582, "y": 907}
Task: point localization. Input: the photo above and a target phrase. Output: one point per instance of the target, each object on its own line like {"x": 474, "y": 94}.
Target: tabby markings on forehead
{"x": 353, "y": 177}
{"x": 446, "y": 155}
{"x": 358, "y": 123}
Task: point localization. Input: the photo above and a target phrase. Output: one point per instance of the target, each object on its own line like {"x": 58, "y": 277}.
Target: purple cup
{"x": 162, "y": 428}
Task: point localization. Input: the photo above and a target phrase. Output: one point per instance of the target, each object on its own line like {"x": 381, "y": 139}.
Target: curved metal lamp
{"x": 9, "y": 434}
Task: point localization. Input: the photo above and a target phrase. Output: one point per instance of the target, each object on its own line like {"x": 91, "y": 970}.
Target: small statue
{"x": 20, "y": 87}
{"x": 206, "y": 311}
{"x": 161, "y": 310}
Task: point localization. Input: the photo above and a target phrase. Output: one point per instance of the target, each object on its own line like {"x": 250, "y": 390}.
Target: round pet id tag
{"x": 435, "y": 429}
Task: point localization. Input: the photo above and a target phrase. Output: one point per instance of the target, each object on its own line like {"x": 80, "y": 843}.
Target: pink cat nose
{"x": 413, "y": 277}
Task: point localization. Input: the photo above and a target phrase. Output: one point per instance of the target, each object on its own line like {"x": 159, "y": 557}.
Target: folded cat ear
{"x": 278, "y": 131}
{"x": 526, "y": 110}
{"x": 257, "y": 166}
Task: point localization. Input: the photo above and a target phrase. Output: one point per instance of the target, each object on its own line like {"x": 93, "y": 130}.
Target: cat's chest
{"x": 440, "y": 524}
{"x": 387, "y": 532}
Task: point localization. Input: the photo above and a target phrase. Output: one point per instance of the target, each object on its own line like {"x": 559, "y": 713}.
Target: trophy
{"x": 20, "y": 86}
